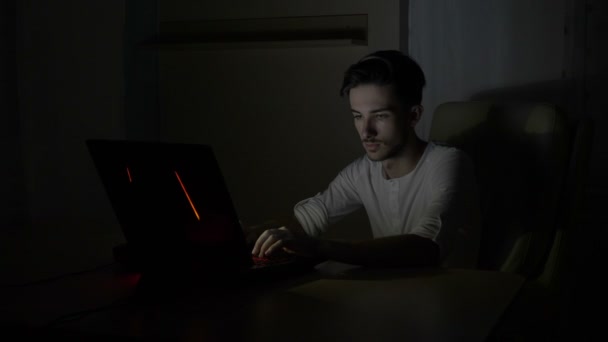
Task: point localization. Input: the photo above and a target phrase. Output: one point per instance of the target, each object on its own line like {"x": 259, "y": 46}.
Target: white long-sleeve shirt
{"x": 437, "y": 200}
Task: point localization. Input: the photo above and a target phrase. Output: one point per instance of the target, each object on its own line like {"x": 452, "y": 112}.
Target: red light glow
{"x": 132, "y": 279}
{"x": 187, "y": 195}
{"x": 129, "y": 174}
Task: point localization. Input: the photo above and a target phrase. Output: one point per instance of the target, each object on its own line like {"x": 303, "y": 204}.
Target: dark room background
{"x": 72, "y": 70}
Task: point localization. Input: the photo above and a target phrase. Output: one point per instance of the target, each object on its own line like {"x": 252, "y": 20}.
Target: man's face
{"x": 379, "y": 119}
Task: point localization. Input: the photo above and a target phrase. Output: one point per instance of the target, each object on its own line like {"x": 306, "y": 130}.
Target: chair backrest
{"x": 521, "y": 153}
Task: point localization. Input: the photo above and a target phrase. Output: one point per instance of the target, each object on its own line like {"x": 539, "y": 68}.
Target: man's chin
{"x": 375, "y": 156}
{"x": 383, "y": 154}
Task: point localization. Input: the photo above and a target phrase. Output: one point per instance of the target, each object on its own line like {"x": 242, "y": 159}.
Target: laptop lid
{"x": 172, "y": 204}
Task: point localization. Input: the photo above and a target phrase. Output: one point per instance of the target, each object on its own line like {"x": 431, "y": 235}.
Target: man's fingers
{"x": 269, "y": 241}
{"x": 287, "y": 250}
{"x": 275, "y": 246}
{"x": 259, "y": 242}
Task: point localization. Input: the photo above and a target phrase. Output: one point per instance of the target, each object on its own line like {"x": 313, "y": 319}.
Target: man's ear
{"x": 416, "y": 114}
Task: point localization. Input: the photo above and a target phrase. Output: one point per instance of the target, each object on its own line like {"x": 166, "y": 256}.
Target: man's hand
{"x": 252, "y": 233}
{"x": 281, "y": 239}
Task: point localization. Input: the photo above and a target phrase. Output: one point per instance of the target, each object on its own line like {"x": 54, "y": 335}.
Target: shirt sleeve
{"x": 452, "y": 218}
{"x": 341, "y": 198}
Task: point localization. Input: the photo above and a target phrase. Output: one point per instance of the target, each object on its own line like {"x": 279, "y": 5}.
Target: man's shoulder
{"x": 440, "y": 152}
{"x": 448, "y": 158}
{"x": 442, "y": 148}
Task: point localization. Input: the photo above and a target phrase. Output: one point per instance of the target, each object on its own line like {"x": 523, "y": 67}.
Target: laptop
{"x": 176, "y": 213}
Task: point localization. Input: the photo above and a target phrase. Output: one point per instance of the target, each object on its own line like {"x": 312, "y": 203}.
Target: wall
{"x": 274, "y": 117}
{"x": 595, "y": 69}
{"x": 592, "y": 64}
{"x": 12, "y": 203}
{"x": 70, "y": 88}
{"x": 474, "y": 47}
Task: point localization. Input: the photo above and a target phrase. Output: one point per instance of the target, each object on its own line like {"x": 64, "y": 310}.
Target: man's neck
{"x": 406, "y": 161}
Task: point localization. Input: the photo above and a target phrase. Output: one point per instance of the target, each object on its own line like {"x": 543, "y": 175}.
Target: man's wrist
{"x": 294, "y": 226}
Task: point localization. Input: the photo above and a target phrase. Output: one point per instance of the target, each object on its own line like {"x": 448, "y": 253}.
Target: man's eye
{"x": 356, "y": 117}
{"x": 381, "y": 116}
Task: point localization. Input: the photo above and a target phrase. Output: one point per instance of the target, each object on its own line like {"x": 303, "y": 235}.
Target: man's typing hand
{"x": 281, "y": 239}
{"x": 252, "y": 233}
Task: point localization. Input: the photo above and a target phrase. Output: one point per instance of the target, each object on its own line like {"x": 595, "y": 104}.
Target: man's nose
{"x": 368, "y": 129}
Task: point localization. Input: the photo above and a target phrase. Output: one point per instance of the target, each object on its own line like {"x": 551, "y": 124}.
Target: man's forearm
{"x": 404, "y": 250}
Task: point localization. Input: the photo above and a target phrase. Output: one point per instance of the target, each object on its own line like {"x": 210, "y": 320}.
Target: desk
{"x": 352, "y": 304}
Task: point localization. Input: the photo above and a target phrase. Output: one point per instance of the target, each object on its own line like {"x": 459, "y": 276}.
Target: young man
{"x": 421, "y": 198}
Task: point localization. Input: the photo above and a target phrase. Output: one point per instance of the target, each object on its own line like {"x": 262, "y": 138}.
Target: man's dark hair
{"x": 388, "y": 67}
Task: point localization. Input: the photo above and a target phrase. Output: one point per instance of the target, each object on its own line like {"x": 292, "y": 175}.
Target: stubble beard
{"x": 391, "y": 153}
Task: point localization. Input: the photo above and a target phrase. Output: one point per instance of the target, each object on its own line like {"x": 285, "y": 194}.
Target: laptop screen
{"x": 171, "y": 201}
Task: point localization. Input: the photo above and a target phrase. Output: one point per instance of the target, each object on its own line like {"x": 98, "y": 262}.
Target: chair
{"x": 531, "y": 165}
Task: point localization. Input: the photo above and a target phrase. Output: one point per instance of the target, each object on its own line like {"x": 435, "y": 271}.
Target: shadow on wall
{"x": 562, "y": 93}
{"x": 578, "y": 252}
{"x": 565, "y": 94}
{"x": 520, "y": 164}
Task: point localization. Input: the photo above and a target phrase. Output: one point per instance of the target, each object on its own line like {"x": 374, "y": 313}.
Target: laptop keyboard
{"x": 266, "y": 261}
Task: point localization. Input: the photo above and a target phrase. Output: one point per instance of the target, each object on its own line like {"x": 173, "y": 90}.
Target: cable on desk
{"x": 61, "y": 276}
